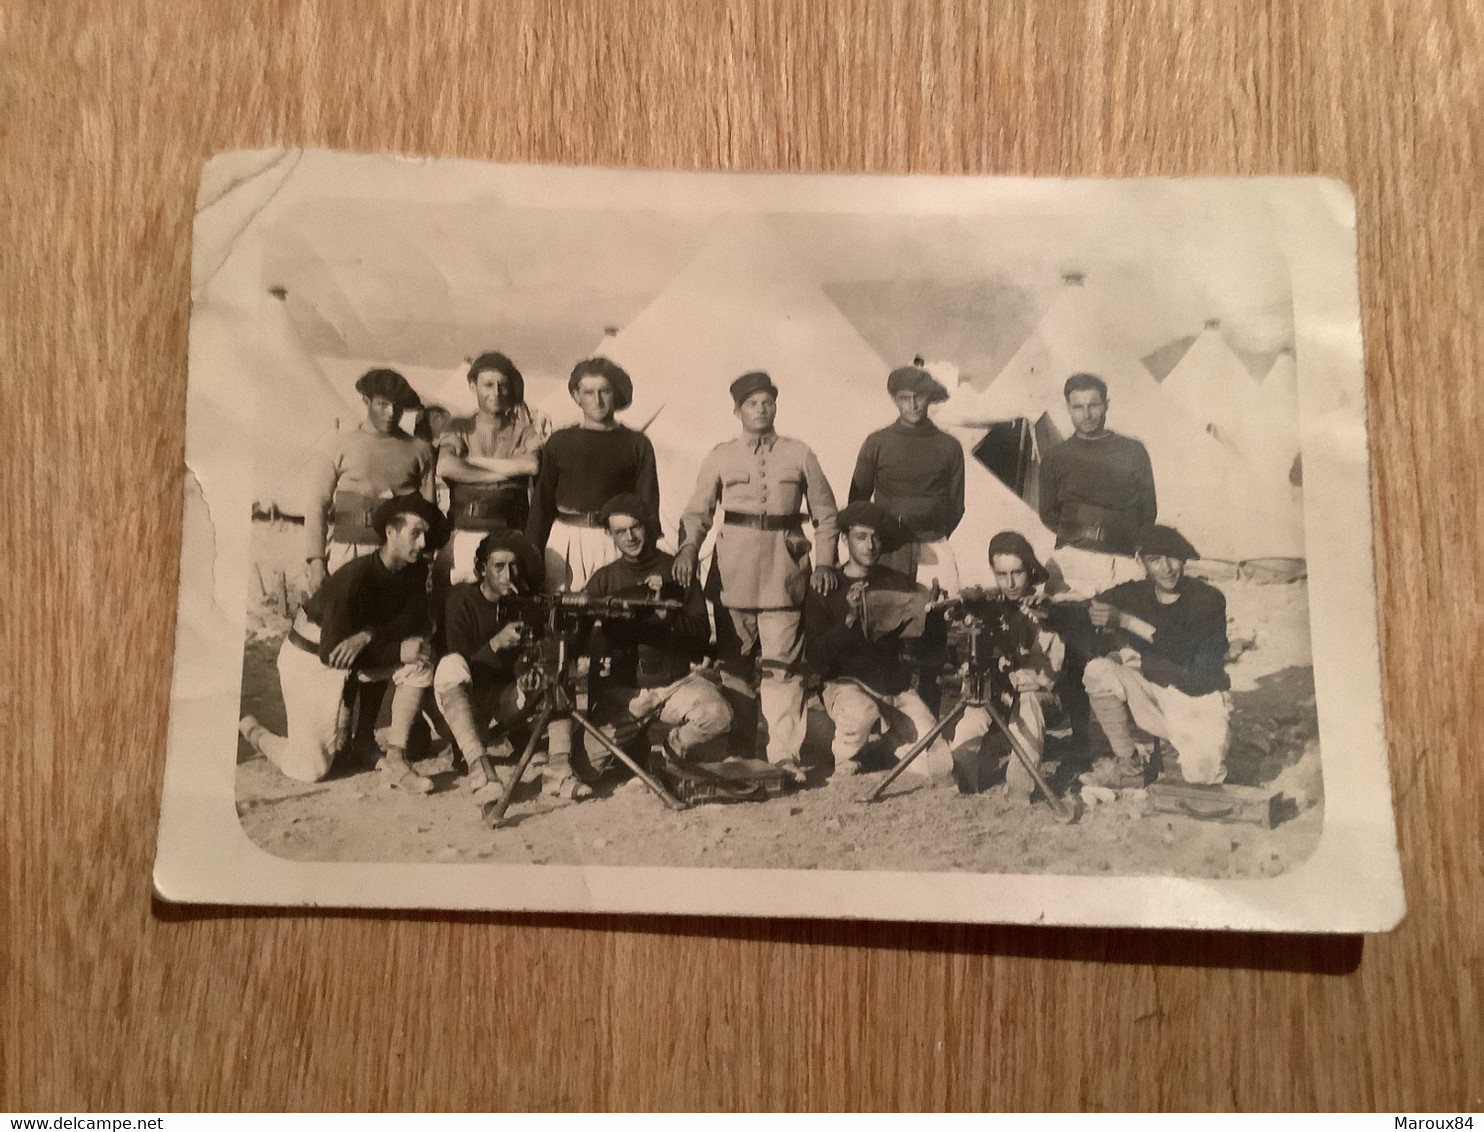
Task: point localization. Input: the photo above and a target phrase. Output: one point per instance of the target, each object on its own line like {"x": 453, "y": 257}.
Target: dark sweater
{"x": 1107, "y": 483}
{"x": 364, "y": 595}
{"x": 649, "y": 651}
{"x": 1189, "y": 647}
{"x": 915, "y": 474}
{"x": 583, "y": 468}
{"x": 882, "y": 660}
{"x": 471, "y": 619}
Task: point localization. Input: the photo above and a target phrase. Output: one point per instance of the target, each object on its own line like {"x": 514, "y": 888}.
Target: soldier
{"x": 361, "y": 467}
{"x": 583, "y": 466}
{"x": 475, "y": 681}
{"x": 915, "y": 473}
{"x": 856, "y": 640}
{"x": 650, "y": 661}
{"x": 370, "y": 621}
{"x": 1097, "y": 493}
{"x": 760, "y": 479}
{"x": 488, "y": 460}
{"x": 1025, "y": 651}
{"x": 1165, "y": 671}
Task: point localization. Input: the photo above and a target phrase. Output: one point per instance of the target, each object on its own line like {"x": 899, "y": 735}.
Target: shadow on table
{"x": 1319, "y": 954}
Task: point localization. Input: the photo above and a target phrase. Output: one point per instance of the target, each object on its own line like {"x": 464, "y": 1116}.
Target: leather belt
{"x": 762, "y": 522}
{"x": 578, "y": 518}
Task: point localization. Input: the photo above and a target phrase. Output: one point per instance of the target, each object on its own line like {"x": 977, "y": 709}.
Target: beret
{"x": 411, "y": 504}
{"x": 621, "y": 383}
{"x": 1015, "y": 543}
{"x": 1166, "y": 542}
{"x": 627, "y": 503}
{"x": 750, "y": 383}
{"x": 390, "y": 384}
{"x": 863, "y": 514}
{"x": 531, "y": 561}
{"x": 914, "y": 379}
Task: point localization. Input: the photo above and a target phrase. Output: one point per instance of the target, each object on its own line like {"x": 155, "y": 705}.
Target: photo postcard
{"x": 930, "y": 548}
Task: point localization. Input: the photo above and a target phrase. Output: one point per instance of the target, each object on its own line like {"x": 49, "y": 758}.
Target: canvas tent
{"x": 744, "y": 303}
{"x": 1231, "y": 510}
{"x": 1216, "y": 389}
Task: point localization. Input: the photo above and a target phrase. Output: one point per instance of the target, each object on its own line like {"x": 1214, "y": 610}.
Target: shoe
{"x": 565, "y": 786}
{"x": 1114, "y": 774}
{"x": 484, "y": 780}
{"x": 794, "y": 770}
{"x": 401, "y": 776}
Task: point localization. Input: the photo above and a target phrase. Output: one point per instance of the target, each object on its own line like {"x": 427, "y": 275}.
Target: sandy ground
{"x": 919, "y": 825}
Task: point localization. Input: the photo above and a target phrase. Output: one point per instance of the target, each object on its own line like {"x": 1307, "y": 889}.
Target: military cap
{"x": 863, "y": 514}
{"x": 1166, "y": 542}
{"x": 528, "y": 559}
{"x": 390, "y": 384}
{"x": 915, "y": 379}
{"x": 621, "y": 383}
{"x": 1016, "y": 544}
{"x": 750, "y": 383}
{"x": 411, "y": 504}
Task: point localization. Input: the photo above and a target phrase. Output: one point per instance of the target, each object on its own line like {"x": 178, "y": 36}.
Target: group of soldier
{"x": 418, "y": 539}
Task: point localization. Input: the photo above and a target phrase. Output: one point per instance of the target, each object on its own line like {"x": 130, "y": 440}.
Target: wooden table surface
{"x": 113, "y": 1003}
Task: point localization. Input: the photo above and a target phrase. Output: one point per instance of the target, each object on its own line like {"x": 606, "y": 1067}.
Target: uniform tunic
{"x": 1098, "y": 494}
{"x": 359, "y": 468}
{"x": 769, "y": 475}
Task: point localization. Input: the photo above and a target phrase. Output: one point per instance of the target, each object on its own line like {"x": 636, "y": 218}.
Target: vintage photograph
{"x": 717, "y": 530}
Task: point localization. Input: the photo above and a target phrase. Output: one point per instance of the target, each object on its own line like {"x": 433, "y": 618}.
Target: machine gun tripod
{"x": 550, "y": 624}
{"x": 977, "y": 693}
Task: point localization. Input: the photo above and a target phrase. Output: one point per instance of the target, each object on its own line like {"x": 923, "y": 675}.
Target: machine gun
{"x": 547, "y": 673}
{"x": 980, "y": 674}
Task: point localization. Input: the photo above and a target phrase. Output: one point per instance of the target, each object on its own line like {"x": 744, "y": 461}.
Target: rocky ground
{"x": 918, "y": 826}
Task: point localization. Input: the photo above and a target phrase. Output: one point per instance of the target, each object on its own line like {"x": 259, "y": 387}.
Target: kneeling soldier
{"x": 650, "y": 659}
{"x": 856, "y": 640}
{"x": 1168, "y": 673}
{"x": 1026, "y": 654}
{"x": 370, "y": 621}
{"x": 476, "y": 679}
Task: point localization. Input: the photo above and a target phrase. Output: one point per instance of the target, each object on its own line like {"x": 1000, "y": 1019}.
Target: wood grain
{"x": 110, "y": 1003}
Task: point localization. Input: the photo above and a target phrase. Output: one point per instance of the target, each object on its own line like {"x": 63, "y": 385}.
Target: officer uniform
{"x": 759, "y": 483}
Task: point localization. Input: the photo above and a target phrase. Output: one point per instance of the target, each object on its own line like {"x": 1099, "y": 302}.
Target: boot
{"x": 401, "y": 775}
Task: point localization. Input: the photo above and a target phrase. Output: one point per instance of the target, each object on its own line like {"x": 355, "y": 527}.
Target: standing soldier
{"x": 914, "y": 472}
{"x": 582, "y": 467}
{"x": 1097, "y": 494}
{"x": 362, "y": 466}
{"x": 488, "y": 460}
{"x": 759, "y": 480}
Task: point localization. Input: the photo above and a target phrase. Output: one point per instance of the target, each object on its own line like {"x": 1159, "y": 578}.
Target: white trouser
{"x": 573, "y": 554}
{"x": 461, "y": 546}
{"x": 696, "y": 711}
{"x": 319, "y": 716}
{"x": 1198, "y": 727}
{"x": 855, "y": 711}
{"x": 779, "y": 633}
{"x": 1079, "y": 574}
{"x": 1029, "y": 725}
